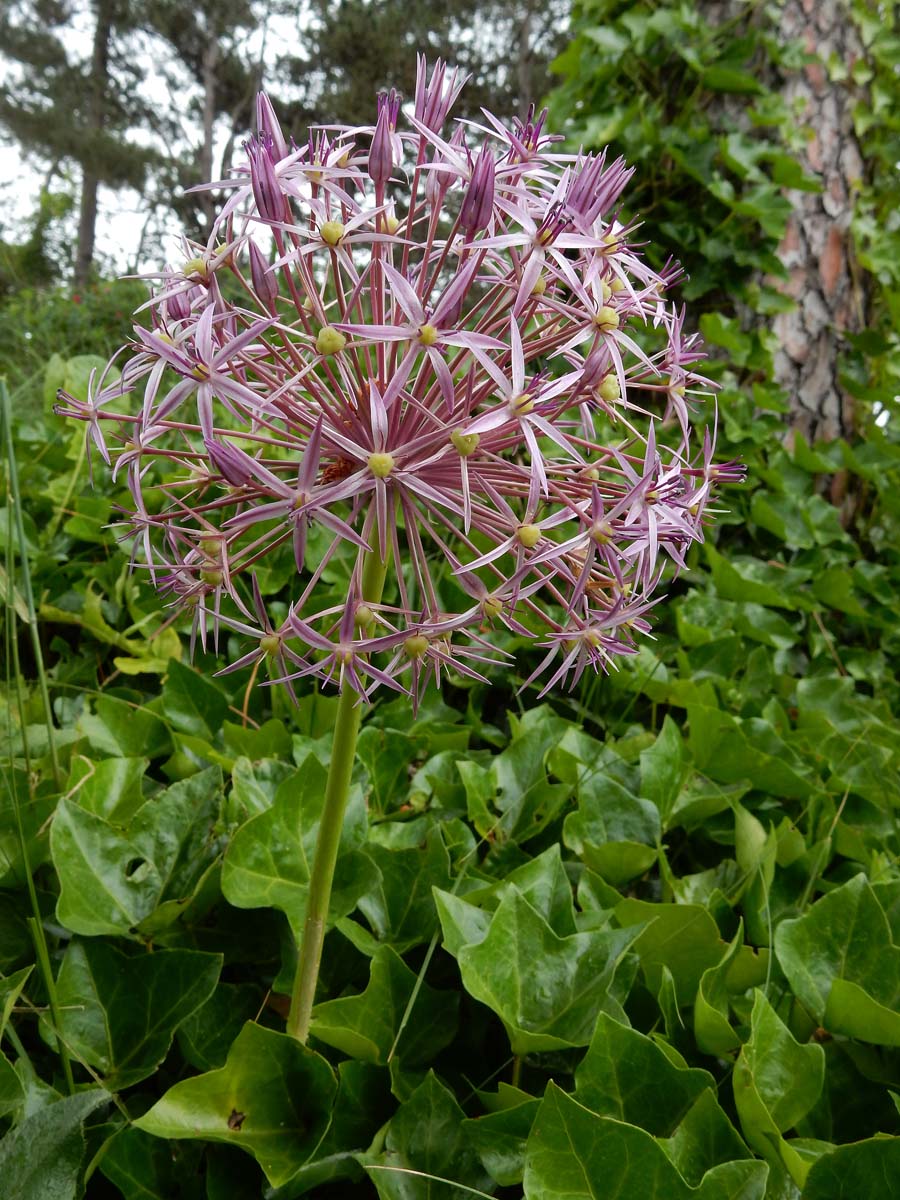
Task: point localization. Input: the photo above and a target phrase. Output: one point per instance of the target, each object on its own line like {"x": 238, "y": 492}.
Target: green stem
{"x": 36, "y": 929}
{"x": 337, "y": 789}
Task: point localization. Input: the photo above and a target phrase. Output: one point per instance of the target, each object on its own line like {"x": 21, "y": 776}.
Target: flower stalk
{"x": 372, "y": 565}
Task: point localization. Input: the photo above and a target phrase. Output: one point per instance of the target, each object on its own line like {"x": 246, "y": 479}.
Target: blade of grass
{"x": 15, "y": 505}
{"x": 35, "y": 923}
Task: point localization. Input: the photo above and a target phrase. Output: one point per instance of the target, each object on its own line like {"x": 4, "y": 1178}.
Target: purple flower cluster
{"x": 451, "y": 358}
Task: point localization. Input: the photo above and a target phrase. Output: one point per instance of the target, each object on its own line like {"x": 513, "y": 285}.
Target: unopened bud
{"x": 478, "y": 205}
{"x": 178, "y": 306}
{"x": 264, "y": 282}
{"x": 381, "y": 154}
{"x": 267, "y": 127}
{"x": 266, "y": 189}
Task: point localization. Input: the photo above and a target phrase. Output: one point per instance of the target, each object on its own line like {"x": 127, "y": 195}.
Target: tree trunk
{"x": 210, "y": 66}
{"x": 816, "y": 249}
{"x": 523, "y": 62}
{"x": 96, "y": 119}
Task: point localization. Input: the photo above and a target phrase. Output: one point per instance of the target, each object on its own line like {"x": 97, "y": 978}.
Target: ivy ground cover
{"x": 639, "y": 942}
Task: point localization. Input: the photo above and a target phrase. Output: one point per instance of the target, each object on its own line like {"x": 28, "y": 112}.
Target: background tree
{"x": 753, "y": 170}
{"x": 214, "y": 72}
{"x": 353, "y": 48}
{"x": 74, "y": 110}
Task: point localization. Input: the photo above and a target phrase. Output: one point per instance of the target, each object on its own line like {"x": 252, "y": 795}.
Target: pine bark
{"x": 817, "y": 252}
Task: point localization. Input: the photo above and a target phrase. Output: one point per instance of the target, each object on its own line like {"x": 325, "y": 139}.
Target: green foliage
{"x": 652, "y": 925}
{"x": 643, "y": 938}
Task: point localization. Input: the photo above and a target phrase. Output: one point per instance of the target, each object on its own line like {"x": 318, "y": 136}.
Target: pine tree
{"x": 73, "y": 110}
{"x": 353, "y": 48}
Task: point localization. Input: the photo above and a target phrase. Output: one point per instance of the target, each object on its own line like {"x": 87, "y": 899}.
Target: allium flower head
{"x": 436, "y": 362}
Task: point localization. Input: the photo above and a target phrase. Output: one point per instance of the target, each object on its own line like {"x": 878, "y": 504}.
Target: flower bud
{"x": 267, "y": 126}
{"x": 478, "y": 205}
{"x": 266, "y": 188}
{"x": 263, "y": 279}
{"x": 381, "y": 154}
{"x": 178, "y": 306}
{"x": 229, "y": 462}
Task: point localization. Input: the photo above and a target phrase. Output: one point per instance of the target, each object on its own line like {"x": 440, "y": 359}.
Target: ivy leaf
{"x": 427, "y": 1135}
{"x": 140, "y": 1166}
{"x": 129, "y": 730}
{"x": 10, "y": 990}
{"x": 842, "y": 964}
{"x": 205, "y": 1035}
{"x": 363, "y": 1099}
{"x": 40, "y": 1159}
{"x": 614, "y": 832}
{"x": 662, "y": 770}
{"x": 546, "y": 989}
{"x": 574, "y": 1154}
{"x": 112, "y": 878}
{"x": 192, "y": 703}
{"x": 776, "y": 1082}
{"x": 868, "y": 1168}
{"x": 254, "y": 786}
{"x": 119, "y": 1011}
{"x": 272, "y": 1099}
{"x": 269, "y": 860}
{"x": 366, "y": 1026}
{"x": 499, "y": 1139}
{"x": 270, "y": 741}
{"x": 704, "y": 1139}
{"x": 12, "y": 1093}
{"x": 631, "y": 1077}
{"x": 399, "y": 904}
{"x": 545, "y": 885}
{"x": 712, "y": 1029}
{"x": 386, "y": 755}
{"x": 682, "y": 937}
{"x": 110, "y": 788}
